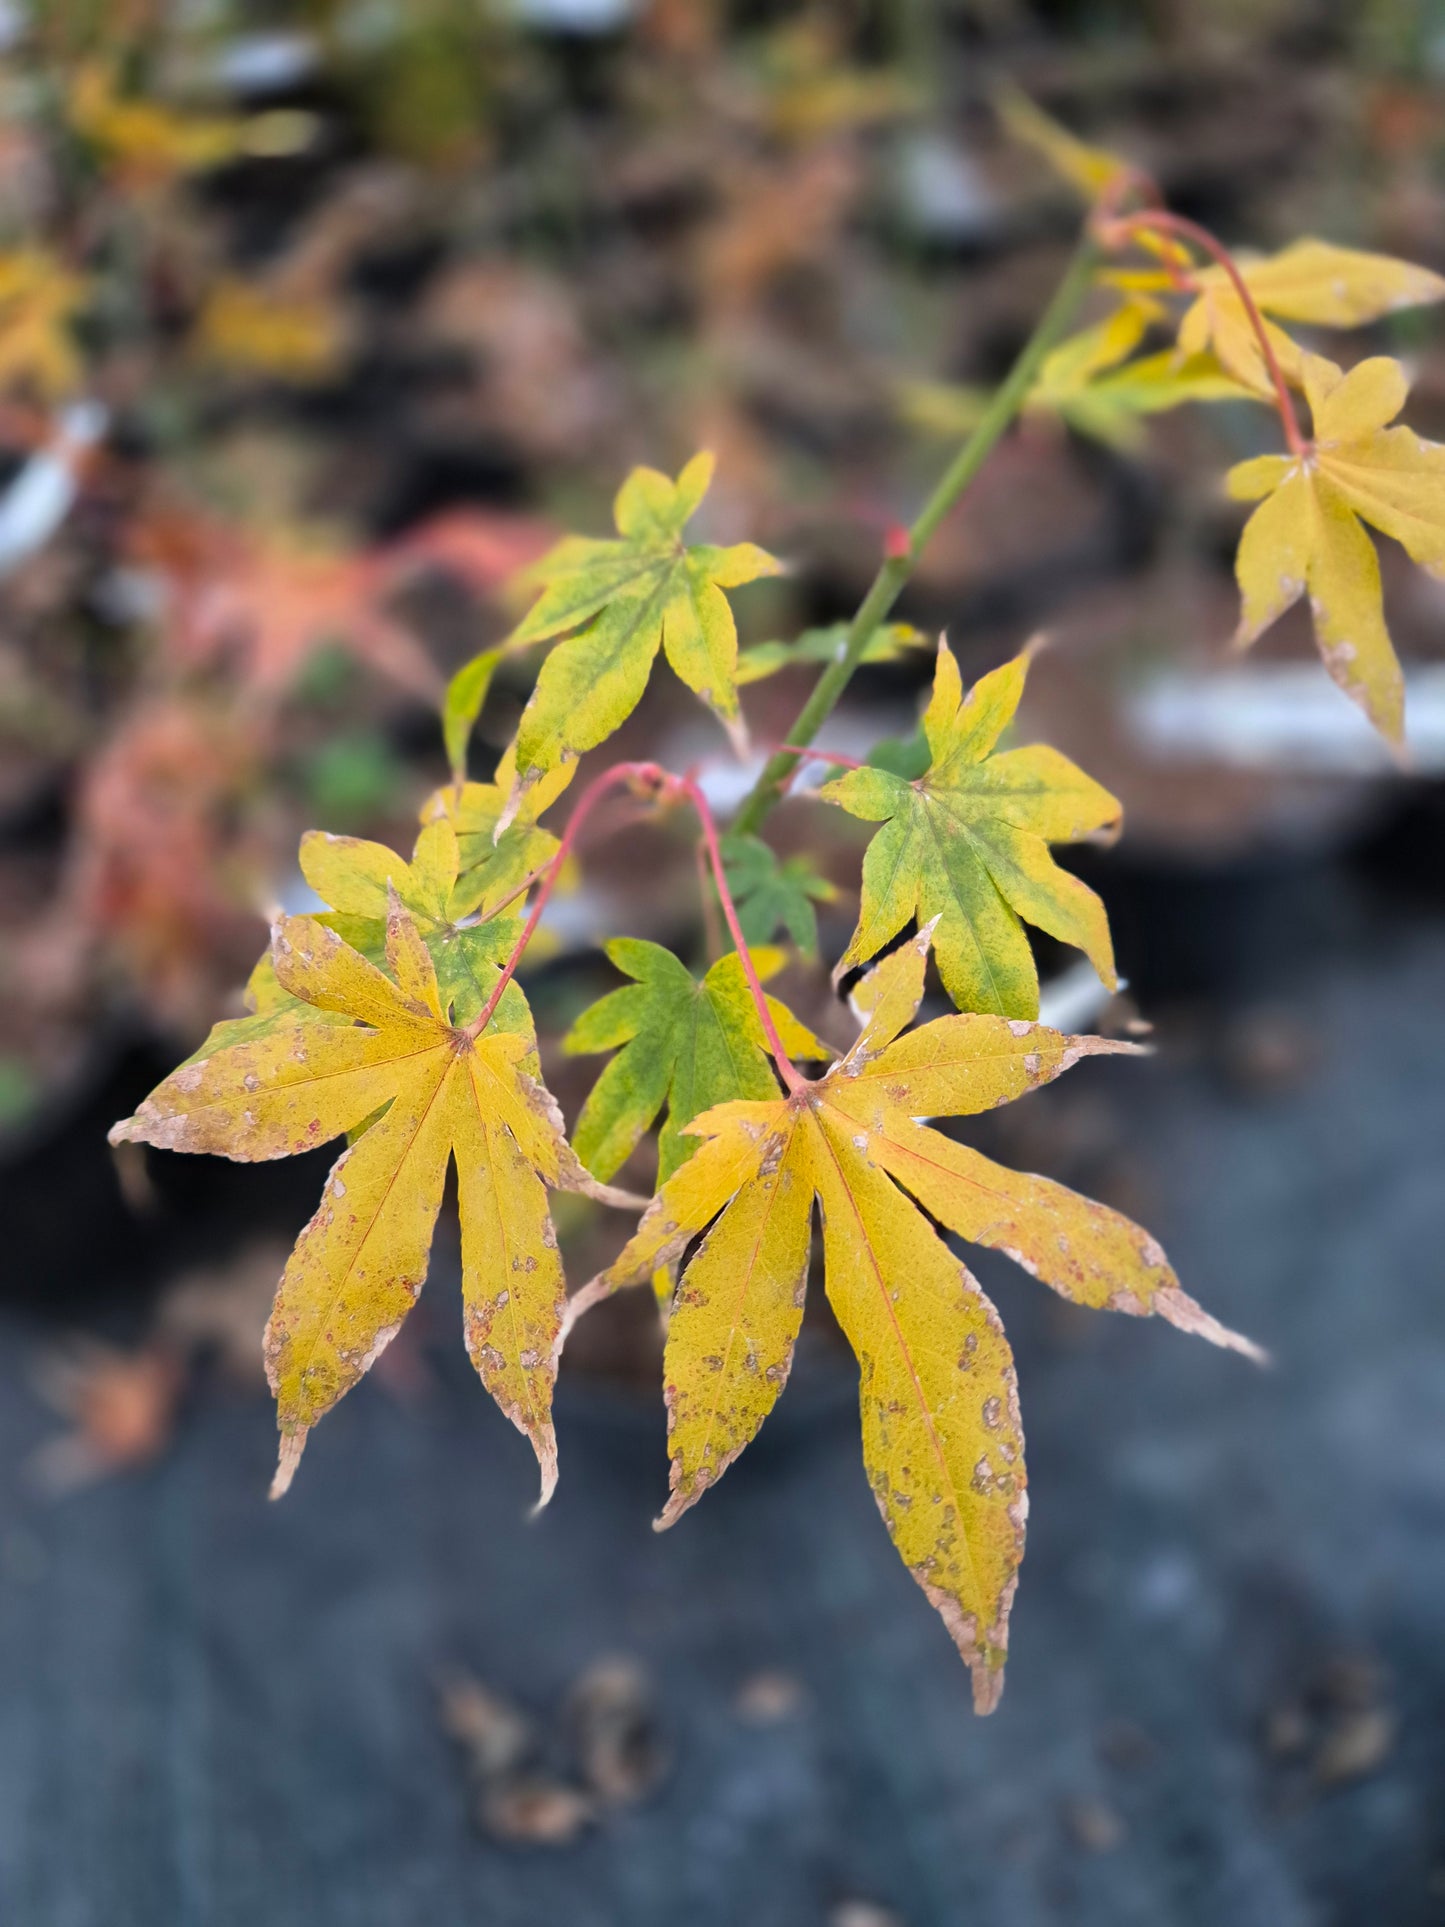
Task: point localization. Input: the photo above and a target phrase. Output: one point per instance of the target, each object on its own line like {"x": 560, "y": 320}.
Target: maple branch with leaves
{"x": 651, "y": 779}
{"x": 1116, "y": 230}
{"x": 396, "y": 1018}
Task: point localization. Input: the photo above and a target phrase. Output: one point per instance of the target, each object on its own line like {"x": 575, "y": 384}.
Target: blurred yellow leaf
{"x": 1089, "y": 383}
{"x": 1110, "y": 407}
{"x": 948, "y": 408}
{"x": 38, "y": 301}
{"x": 813, "y": 90}
{"x": 292, "y": 338}
{"x": 889, "y": 643}
{"x": 1092, "y": 171}
{"x": 1309, "y": 281}
{"x": 143, "y": 136}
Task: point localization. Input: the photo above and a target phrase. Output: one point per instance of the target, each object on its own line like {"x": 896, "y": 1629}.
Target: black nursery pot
{"x": 1243, "y": 926}
{"x": 75, "y": 1245}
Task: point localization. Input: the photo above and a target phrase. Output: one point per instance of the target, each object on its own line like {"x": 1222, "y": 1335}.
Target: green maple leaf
{"x": 889, "y": 643}
{"x": 967, "y": 843}
{"x": 679, "y": 1043}
{"x": 462, "y": 703}
{"x": 773, "y": 892}
{"x": 646, "y": 591}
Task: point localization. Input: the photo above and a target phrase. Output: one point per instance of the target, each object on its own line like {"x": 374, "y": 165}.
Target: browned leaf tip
{"x": 293, "y": 1444}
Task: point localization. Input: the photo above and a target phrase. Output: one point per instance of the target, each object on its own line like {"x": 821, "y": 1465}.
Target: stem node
{"x": 648, "y": 780}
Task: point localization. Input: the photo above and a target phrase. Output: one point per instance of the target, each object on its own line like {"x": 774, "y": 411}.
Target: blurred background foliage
{"x": 316, "y": 321}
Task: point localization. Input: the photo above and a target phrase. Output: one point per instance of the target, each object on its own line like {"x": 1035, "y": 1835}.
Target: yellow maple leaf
{"x": 38, "y": 301}
{"x": 1305, "y": 538}
{"x": 293, "y": 338}
{"x": 145, "y": 137}
{"x": 941, "y": 1433}
{"x": 1309, "y": 281}
{"x": 375, "y": 1049}
{"x": 499, "y": 846}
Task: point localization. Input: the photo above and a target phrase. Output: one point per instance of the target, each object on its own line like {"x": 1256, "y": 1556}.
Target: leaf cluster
{"x": 394, "y": 1019}
{"x": 1306, "y": 540}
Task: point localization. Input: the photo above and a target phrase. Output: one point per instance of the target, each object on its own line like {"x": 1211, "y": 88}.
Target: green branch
{"x": 1005, "y": 405}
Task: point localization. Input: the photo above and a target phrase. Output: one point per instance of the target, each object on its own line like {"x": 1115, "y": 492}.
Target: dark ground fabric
{"x": 219, "y": 1713}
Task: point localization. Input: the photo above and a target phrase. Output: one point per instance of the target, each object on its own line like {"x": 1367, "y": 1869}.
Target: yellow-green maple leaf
{"x": 1089, "y": 383}
{"x": 453, "y": 909}
{"x": 889, "y": 642}
{"x": 1305, "y": 538}
{"x": 966, "y": 844}
{"x": 499, "y": 843}
{"x": 1091, "y": 171}
{"x": 462, "y": 702}
{"x": 1309, "y": 281}
{"x": 941, "y": 1433}
{"x": 645, "y": 591}
{"x": 364, "y": 1044}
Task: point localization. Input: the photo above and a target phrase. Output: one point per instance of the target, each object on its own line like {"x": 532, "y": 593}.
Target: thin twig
{"x": 806, "y": 754}
{"x": 901, "y": 559}
{"x": 590, "y": 797}
{"x": 662, "y": 784}
{"x": 787, "y": 1070}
